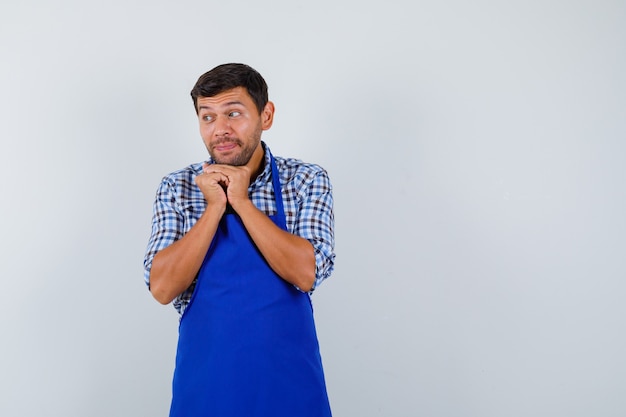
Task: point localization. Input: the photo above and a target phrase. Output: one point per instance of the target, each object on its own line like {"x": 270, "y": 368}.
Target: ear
{"x": 267, "y": 116}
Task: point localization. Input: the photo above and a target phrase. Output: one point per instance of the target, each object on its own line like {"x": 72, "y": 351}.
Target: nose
{"x": 222, "y": 126}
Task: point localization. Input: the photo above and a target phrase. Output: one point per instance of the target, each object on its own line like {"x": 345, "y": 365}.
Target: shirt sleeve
{"x": 315, "y": 222}
{"x": 167, "y": 224}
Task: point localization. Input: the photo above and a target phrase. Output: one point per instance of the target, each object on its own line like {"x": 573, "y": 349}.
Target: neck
{"x": 256, "y": 162}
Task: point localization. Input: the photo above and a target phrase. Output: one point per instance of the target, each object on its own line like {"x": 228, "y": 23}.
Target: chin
{"x": 234, "y": 160}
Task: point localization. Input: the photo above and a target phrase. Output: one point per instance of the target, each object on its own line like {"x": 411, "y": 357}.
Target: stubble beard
{"x": 243, "y": 157}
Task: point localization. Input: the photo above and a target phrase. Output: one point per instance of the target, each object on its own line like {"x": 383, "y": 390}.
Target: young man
{"x": 238, "y": 244}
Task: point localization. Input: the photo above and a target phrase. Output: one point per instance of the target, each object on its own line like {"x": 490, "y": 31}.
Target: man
{"x": 238, "y": 244}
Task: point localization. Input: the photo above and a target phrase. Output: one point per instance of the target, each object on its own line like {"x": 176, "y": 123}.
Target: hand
{"x": 213, "y": 185}
{"x": 235, "y": 179}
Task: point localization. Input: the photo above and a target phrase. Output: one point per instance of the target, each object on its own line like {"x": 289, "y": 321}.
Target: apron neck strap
{"x": 280, "y": 210}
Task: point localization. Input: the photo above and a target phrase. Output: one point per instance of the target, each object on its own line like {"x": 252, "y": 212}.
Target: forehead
{"x": 234, "y": 96}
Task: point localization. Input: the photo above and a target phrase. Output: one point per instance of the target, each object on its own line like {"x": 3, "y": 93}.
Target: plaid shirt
{"x": 307, "y": 198}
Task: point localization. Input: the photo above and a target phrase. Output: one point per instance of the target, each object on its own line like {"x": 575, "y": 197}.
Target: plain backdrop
{"x": 477, "y": 153}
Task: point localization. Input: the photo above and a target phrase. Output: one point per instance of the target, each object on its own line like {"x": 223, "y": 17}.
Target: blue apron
{"x": 247, "y": 344}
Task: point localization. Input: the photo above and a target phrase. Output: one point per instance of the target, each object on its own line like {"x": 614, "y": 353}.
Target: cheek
{"x": 242, "y": 127}
{"x": 205, "y": 131}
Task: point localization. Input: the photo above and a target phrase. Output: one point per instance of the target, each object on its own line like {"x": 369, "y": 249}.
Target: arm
{"x": 315, "y": 221}
{"x": 290, "y": 256}
{"x": 175, "y": 267}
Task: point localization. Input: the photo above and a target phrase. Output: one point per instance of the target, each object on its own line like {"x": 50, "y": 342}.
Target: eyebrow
{"x": 230, "y": 103}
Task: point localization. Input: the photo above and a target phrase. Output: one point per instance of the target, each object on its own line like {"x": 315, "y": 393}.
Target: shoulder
{"x": 182, "y": 177}
{"x": 292, "y": 169}
{"x": 178, "y": 188}
{"x": 303, "y": 180}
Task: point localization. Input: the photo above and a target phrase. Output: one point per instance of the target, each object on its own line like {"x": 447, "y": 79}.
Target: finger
{"x": 217, "y": 177}
{"x": 209, "y": 169}
{"x": 209, "y": 177}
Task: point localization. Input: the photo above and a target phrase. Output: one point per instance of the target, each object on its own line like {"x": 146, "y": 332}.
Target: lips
{"x": 225, "y": 146}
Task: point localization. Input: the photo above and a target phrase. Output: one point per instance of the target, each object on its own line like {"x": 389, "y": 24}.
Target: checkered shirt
{"x": 307, "y": 198}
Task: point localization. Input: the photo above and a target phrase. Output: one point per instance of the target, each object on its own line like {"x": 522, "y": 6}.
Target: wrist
{"x": 241, "y": 206}
{"x": 216, "y": 210}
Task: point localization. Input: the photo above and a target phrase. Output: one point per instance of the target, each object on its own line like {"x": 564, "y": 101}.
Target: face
{"x": 230, "y": 126}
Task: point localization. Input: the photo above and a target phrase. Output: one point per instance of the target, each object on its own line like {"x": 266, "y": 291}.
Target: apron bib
{"x": 247, "y": 344}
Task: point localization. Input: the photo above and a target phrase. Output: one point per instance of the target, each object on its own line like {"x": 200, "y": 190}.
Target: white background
{"x": 477, "y": 152}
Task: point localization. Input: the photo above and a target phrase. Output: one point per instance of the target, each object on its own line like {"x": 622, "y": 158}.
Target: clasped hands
{"x": 224, "y": 183}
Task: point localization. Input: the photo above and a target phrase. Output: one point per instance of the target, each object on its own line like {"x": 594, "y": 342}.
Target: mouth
{"x": 225, "y": 146}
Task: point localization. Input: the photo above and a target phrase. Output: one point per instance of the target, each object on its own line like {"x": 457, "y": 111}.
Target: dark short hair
{"x": 228, "y": 76}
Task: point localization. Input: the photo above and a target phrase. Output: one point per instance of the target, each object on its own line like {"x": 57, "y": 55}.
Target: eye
{"x": 234, "y": 113}
{"x": 207, "y": 118}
